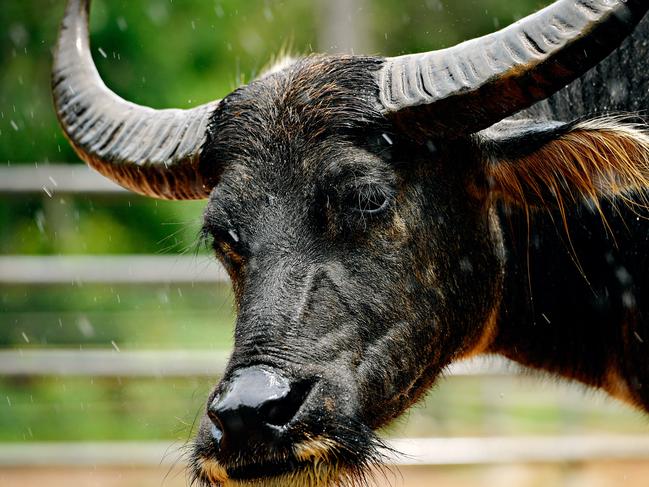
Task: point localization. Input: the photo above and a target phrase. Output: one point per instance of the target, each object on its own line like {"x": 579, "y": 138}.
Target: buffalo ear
{"x": 550, "y": 164}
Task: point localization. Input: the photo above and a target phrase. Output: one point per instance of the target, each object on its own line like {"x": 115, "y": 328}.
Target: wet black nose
{"x": 253, "y": 407}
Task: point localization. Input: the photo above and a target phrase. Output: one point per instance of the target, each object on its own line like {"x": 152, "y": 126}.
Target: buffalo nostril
{"x": 252, "y": 405}
{"x": 217, "y": 434}
{"x": 280, "y": 411}
{"x": 216, "y": 430}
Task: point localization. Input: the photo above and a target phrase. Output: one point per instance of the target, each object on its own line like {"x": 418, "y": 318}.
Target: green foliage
{"x": 134, "y": 317}
{"x": 422, "y": 25}
{"x": 77, "y": 409}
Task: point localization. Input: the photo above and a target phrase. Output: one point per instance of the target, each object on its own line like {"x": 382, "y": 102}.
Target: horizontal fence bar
{"x": 411, "y": 451}
{"x": 462, "y": 451}
{"x": 118, "y": 269}
{"x": 166, "y": 363}
{"x": 112, "y": 363}
{"x": 50, "y": 179}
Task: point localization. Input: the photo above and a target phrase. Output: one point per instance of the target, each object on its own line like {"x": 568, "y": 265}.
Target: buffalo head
{"x": 351, "y": 200}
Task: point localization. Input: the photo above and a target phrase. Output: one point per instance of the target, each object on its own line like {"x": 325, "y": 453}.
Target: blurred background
{"x": 114, "y": 323}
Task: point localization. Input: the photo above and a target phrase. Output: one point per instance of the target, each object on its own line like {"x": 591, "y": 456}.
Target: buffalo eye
{"x": 226, "y": 241}
{"x": 234, "y": 235}
{"x": 229, "y": 237}
{"x": 369, "y": 200}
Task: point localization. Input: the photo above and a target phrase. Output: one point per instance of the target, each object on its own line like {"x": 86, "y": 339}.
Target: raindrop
{"x": 25, "y": 337}
{"x": 18, "y": 34}
{"x": 618, "y": 90}
{"x": 102, "y": 52}
{"x": 435, "y": 5}
{"x": 387, "y": 138}
{"x": 158, "y": 13}
{"x": 39, "y": 218}
{"x": 628, "y": 300}
{"x": 465, "y": 265}
{"x": 14, "y": 125}
{"x": 85, "y": 327}
{"x": 112, "y": 342}
{"x": 623, "y": 276}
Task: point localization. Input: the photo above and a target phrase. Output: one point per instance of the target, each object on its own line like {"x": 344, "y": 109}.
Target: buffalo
{"x": 380, "y": 218}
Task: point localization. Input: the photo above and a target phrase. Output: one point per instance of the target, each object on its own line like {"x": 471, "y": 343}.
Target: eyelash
{"x": 370, "y": 201}
{"x": 219, "y": 238}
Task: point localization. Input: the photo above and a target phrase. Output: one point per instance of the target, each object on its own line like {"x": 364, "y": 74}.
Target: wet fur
{"x": 590, "y": 160}
{"x": 575, "y": 298}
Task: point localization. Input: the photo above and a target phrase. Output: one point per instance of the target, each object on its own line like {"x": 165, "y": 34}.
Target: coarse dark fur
{"x": 576, "y": 293}
{"x": 365, "y": 262}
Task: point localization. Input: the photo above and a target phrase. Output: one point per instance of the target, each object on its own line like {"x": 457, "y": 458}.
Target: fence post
{"x": 345, "y": 26}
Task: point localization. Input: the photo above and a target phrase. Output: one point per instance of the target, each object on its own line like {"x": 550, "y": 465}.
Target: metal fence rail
{"x": 411, "y": 451}
{"x": 55, "y": 178}
{"x": 166, "y": 363}
{"x": 102, "y": 269}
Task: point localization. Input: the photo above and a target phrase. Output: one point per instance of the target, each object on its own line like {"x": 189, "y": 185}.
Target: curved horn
{"x": 471, "y": 86}
{"x": 151, "y": 152}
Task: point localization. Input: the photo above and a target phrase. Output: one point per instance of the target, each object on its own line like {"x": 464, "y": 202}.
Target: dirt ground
{"x": 608, "y": 474}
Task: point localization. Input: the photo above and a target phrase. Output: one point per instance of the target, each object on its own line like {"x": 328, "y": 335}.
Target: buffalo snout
{"x": 254, "y": 409}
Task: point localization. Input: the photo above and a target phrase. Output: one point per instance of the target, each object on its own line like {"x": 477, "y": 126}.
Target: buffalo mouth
{"x": 288, "y": 473}
{"x": 319, "y": 447}
{"x": 259, "y": 471}
{"x": 315, "y": 463}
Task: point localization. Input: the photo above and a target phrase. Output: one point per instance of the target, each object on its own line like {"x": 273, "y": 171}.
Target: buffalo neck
{"x": 575, "y": 295}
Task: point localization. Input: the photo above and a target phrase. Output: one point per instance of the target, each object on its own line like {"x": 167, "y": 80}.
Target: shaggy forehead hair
{"x": 311, "y": 99}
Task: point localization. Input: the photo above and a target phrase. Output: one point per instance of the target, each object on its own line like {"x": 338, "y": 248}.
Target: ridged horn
{"x": 151, "y": 152}
{"x": 473, "y": 85}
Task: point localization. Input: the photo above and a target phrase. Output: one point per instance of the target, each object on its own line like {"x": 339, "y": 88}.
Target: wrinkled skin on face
{"x": 362, "y": 262}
